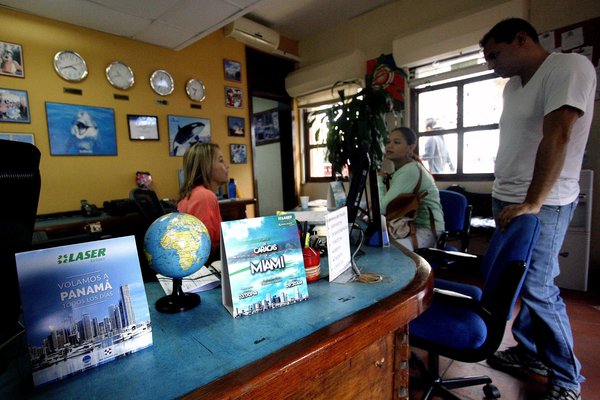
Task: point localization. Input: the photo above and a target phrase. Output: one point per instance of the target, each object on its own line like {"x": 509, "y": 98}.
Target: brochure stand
{"x": 262, "y": 264}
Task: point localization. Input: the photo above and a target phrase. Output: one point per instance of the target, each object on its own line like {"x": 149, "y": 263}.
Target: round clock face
{"x": 120, "y": 75}
{"x": 195, "y": 90}
{"x": 70, "y": 66}
{"x": 162, "y": 82}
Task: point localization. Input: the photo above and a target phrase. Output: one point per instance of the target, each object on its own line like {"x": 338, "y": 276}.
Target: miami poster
{"x": 83, "y": 305}
{"x": 262, "y": 264}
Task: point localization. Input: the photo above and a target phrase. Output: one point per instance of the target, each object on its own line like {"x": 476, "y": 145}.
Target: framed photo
{"x": 238, "y": 153}
{"x": 266, "y": 127}
{"x": 233, "y": 97}
{"x": 14, "y": 105}
{"x": 186, "y": 131}
{"x": 81, "y": 130}
{"x": 142, "y": 127}
{"x": 12, "y": 59}
{"x": 232, "y": 70}
{"x": 236, "y": 126}
{"x": 18, "y": 137}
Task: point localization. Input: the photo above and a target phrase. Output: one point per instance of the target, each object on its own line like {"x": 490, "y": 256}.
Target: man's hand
{"x": 512, "y": 211}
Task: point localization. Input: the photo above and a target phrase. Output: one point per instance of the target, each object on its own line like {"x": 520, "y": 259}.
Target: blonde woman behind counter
{"x": 204, "y": 170}
{"x": 400, "y": 150}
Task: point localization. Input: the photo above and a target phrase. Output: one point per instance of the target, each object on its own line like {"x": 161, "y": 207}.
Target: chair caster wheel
{"x": 491, "y": 391}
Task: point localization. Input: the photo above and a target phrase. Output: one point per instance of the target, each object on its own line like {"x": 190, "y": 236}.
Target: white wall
{"x": 267, "y": 168}
{"x": 373, "y": 33}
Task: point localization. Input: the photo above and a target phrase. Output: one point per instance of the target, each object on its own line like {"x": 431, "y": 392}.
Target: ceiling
{"x": 176, "y": 24}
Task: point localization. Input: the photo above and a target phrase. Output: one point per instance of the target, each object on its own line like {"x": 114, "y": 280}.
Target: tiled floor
{"x": 584, "y": 313}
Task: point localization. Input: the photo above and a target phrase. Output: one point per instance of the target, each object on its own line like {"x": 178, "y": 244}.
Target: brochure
{"x": 83, "y": 305}
{"x": 336, "y": 195}
{"x": 262, "y": 264}
{"x": 206, "y": 278}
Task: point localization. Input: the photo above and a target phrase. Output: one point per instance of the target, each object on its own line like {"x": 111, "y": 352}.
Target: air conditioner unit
{"x": 313, "y": 83}
{"x": 252, "y": 34}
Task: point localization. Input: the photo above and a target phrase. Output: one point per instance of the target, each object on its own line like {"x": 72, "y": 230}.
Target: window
{"x": 457, "y": 122}
{"x": 317, "y": 168}
{"x": 315, "y": 137}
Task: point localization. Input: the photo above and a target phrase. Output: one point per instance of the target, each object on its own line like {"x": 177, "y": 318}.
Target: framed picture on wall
{"x": 232, "y": 70}
{"x": 18, "y": 137}
{"x": 78, "y": 130}
{"x": 238, "y": 153}
{"x": 266, "y": 127}
{"x": 186, "y": 131}
{"x": 142, "y": 127}
{"x": 14, "y": 105}
{"x": 236, "y": 126}
{"x": 233, "y": 97}
{"x": 12, "y": 59}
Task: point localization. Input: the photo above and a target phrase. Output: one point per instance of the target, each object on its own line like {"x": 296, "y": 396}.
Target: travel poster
{"x": 83, "y": 305}
{"x": 262, "y": 264}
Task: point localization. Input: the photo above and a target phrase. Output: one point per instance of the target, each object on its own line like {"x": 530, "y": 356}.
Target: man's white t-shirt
{"x": 562, "y": 79}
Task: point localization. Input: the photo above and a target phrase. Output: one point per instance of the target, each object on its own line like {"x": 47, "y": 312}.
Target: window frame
{"x": 304, "y": 113}
{"x": 460, "y": 130}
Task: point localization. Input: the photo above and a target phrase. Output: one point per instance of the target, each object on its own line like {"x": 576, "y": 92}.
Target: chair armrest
{"x": 431, "y": 253}
{"x": 460, "y": 300}
{"x": 451, "y": 293}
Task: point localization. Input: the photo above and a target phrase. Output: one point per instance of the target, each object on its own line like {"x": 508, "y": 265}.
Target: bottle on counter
{"x": 231, "y": 189}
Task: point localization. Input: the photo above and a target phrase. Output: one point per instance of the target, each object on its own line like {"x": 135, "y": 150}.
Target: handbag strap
{"x": 431, "y": 218}
{"x": 418, "y": 185}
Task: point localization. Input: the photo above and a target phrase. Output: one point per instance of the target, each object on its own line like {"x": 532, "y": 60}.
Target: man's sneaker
{"x": 514, "y": 362}
{"x": 560, "y": 393}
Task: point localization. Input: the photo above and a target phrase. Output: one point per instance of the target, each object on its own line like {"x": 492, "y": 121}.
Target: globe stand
{"x": 178, "y": 301}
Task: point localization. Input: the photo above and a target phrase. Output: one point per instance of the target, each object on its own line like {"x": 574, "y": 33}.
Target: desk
{"x": 70, "y": 227}
{"x": 346, "y": 341}
{"x": 234, "y": 209}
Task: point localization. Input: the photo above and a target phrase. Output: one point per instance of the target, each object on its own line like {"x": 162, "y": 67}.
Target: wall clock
{"x": 195, "y": 90}
{"x": 162, "y": 82}
{"x": 70, "y": 66}
{"x": 120, "y": 75}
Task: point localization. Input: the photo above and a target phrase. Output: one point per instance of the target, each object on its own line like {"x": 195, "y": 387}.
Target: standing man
{"x": 548, "y": 107}
{"x": 436, "y": 153}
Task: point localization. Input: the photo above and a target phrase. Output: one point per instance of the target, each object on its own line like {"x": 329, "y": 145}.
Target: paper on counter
{"x": 199, "y": 281}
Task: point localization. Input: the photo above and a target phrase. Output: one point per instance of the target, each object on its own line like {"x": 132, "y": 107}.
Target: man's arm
{"x": 549, "y": 162}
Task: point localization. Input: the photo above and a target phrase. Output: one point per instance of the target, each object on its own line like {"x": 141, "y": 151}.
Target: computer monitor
{"x": 359, "y": 172}
{"x": 20, "y": 187}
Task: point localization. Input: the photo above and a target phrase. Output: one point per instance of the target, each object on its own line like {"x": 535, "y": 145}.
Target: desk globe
{"x": 177, "y": 245}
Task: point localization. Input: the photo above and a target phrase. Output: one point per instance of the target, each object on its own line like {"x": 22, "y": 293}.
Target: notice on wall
{"x": 338, "y": 243}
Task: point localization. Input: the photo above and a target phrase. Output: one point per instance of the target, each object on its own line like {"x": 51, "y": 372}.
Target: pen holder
{"x": 312, "y": 263}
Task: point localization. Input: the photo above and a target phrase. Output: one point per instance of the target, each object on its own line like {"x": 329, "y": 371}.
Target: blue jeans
{"x": 542, "y": 326}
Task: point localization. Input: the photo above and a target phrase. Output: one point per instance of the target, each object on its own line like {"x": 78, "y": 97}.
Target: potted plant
{"x": 359, "y": 118}
{"x": 359, "y": 122}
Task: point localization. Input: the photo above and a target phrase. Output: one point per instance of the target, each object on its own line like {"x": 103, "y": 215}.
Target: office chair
{"x": 466, "y": 323}
{"x": 147, "y": 203}
{"x": 20, "y": 187}
{"x": 457, "y": 220}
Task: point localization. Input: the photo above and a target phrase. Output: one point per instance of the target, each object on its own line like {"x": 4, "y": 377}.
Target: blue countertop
{"x": 193, "y": 348}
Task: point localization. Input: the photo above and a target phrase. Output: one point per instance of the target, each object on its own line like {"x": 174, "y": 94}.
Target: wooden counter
{"x": 348, "y": 341}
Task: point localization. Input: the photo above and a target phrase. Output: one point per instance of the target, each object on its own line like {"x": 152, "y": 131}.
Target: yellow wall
{"x": 68, "y": 179}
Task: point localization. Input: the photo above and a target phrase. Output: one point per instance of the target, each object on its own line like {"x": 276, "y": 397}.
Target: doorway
{"x": 272, "y": 142}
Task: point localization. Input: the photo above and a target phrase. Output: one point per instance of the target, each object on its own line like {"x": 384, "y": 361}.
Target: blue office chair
{"x": 457, "y": 220}
{"x": 466, "y": 323}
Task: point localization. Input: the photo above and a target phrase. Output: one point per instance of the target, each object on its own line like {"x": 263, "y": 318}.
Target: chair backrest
{"x": 505, "y": 264}
{"x": 147, "y": 203}
{"x": 457, "y": 219}
{"x": 454, "y": 205}
{"x": 20, "y": 190}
